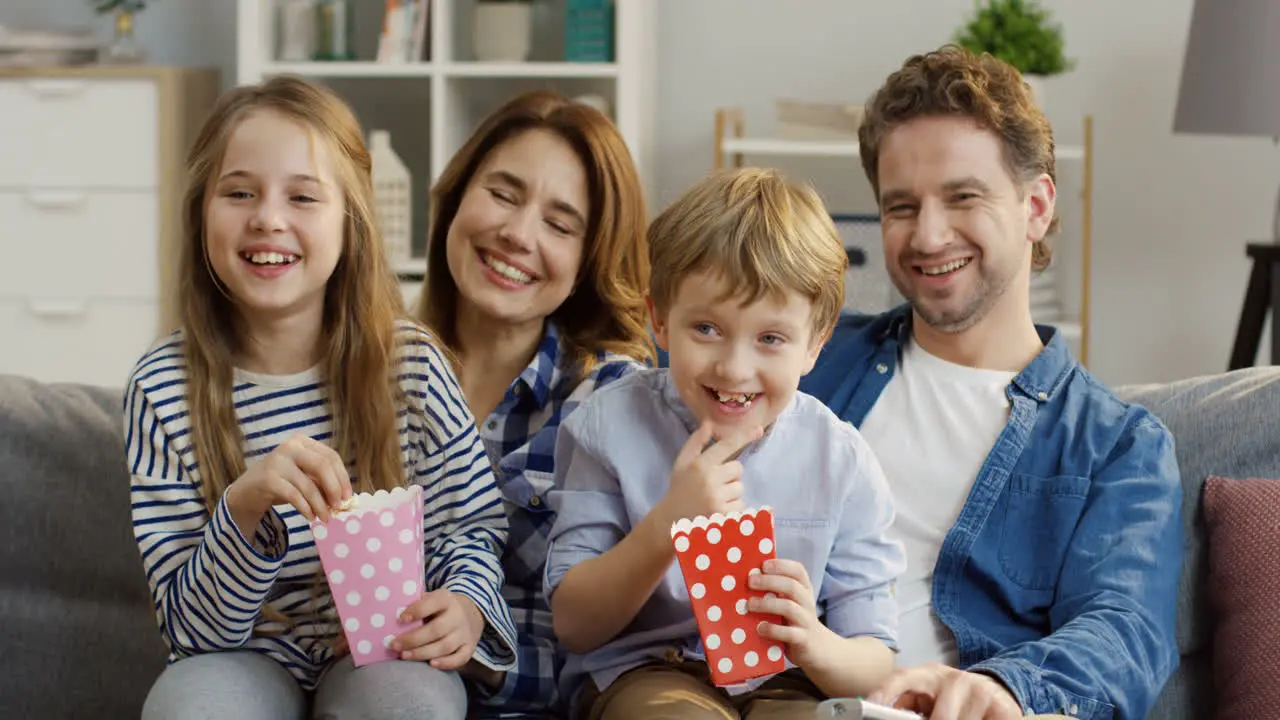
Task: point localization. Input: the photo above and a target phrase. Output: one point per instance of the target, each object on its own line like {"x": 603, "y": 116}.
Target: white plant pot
{"x": 502, "y": 31}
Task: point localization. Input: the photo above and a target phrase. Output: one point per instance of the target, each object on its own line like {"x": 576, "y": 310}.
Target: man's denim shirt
{"x": 1060, "y": 576}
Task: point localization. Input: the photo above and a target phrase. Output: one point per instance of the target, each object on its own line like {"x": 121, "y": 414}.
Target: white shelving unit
{"x": 732, "y": 145}
{"x": 433, "y": 105}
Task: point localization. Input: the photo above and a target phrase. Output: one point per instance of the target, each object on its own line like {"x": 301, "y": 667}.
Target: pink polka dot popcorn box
{"x": 717, "y": 554}
{"x": 371, "y": 553}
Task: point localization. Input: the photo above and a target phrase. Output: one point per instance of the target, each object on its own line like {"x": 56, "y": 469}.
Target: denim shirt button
{"x": 882, "y": 368}
{"x": 493, "y": 424}
{"x": 535, "y": 501}
{"x": 1043, "y": 395}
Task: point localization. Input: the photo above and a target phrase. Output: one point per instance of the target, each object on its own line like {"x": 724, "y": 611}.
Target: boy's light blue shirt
{"x": 832, "y": 507}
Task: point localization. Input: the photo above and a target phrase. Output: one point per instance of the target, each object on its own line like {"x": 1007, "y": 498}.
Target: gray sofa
{"x": 76, "y": 625}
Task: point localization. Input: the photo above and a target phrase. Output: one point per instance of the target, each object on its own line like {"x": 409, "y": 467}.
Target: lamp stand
{"x": 1262, "y": 294}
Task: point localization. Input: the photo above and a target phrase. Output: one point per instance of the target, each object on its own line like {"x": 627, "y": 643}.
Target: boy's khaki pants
{"x": 683, "y": 691}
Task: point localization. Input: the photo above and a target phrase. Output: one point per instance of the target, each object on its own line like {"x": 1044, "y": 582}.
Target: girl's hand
{"x": 452, "y": 628}
{"x": 302, "y": 472}
{"x": 806, "y": 639}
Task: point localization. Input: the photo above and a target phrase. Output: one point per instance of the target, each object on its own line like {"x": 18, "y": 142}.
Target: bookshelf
{"x": 733, "y": 145}
{"x": 432, "y": 104}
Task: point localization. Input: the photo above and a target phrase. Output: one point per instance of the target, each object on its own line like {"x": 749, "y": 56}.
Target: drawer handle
{"x": 55, "y": 199}
{"x": 57, "y": 308}
{"x": 55, "y": 87}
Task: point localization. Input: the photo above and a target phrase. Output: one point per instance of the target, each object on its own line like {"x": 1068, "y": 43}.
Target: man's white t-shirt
{"x": 932, "y": 429}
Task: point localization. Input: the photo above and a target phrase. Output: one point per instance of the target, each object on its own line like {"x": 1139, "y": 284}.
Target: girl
{"x": 290, "y": 384}
{"x": 537, "y": 269}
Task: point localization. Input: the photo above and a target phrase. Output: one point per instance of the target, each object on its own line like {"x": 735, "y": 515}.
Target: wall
{"x": 178, "y": 32}
{"x": 1171, "y": 213}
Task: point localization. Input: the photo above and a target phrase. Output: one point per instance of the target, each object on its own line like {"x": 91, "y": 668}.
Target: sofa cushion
{"x": 1227, "y": 425}
{"x": 1243, "y": 521}
{"x": 76, "y": 621}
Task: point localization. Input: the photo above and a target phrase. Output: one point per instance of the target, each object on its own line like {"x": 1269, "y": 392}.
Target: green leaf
{"x": 1019, "y": 32}
{"x": 105, "y": 6}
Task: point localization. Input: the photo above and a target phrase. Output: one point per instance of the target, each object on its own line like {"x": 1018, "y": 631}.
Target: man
{"x": 1040, "y": 514}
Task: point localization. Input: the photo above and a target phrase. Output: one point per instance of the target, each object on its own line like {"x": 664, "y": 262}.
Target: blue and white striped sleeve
{"x": 208, "y": 584}
{"x": 464, "y": 521}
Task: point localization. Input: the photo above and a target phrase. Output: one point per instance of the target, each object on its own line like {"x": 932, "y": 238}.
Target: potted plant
{"x": 502, "y": 30}
{"x": 124, "y": 48}
{"x": 1021, "y": 33}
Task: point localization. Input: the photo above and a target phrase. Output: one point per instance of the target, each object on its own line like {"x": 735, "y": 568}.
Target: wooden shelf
{"x": 531, "y": 70}
{"x": 371, "y": 69}
{"x": 829, "y": 148}
{"x": 449, "y": 92}
{"x": 411, "y": 270}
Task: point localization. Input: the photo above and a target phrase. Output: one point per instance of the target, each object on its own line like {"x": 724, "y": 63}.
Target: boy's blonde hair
{"x": 762, "y": 233}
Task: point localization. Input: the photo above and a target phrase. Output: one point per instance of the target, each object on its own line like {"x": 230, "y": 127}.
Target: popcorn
{"x": 372, "y": 556}
{"x": 350, "y": 503}
{"x": 716, "y": 556}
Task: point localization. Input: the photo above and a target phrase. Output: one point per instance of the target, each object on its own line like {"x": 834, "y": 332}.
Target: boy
{"x": 747, "y": 284}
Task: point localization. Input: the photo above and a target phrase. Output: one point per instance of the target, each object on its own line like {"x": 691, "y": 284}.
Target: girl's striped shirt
{"x": 209, "y": 584}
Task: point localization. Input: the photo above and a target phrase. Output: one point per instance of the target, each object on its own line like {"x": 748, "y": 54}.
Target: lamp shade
{"x": 1231, "y": 71}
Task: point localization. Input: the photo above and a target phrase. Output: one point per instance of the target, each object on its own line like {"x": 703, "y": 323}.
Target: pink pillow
{"x": 1243, "y": 519}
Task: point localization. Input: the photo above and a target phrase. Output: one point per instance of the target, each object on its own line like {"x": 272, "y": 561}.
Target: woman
{"x": 537, "y": 270}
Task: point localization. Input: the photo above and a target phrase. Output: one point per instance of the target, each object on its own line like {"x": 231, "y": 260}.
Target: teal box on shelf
{"x": 588, "y": 31}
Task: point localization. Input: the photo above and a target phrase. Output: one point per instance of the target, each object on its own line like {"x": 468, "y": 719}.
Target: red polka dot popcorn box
{"x": 716, "y": 556}
{"x": 371, "y": 553}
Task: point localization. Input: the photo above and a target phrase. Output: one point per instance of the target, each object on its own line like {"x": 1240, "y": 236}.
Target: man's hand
{"x": 808, "y": 641}
{"x": 944, "y": 693}
{"x": 452, "y": 628}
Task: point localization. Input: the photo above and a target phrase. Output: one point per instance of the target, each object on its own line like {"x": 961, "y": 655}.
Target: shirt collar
{"x": 1042, "y": 379}
{"x": 543, "y": 371}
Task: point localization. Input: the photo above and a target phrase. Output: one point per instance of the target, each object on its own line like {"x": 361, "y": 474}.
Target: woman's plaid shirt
{"x": 520, "y": 437}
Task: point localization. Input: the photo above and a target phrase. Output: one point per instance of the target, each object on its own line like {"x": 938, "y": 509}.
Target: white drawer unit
{"x": 91, "y": 185}
{"x": 67, "y": 339}
{"x": 78, "y": 132}
{"x": 78, "y": 243}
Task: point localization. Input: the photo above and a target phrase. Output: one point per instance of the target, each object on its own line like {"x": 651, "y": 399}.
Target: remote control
{"x": 859, "y": 709}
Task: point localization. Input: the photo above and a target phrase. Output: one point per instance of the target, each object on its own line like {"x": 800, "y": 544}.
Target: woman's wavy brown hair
{"x": 954, "y": 81}
{"x": 361, "y": 306}
{"x": 607, "y": 310}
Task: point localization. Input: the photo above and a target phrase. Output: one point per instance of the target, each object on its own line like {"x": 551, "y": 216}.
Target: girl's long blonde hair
{"x": 607, "y": 311}
{"x": 361, "y": 305}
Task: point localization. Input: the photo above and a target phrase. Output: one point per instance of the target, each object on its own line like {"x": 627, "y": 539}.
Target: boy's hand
{"x": 706, "y": 480}
{"x": 452, "y": 628}
{"x": 806, "y": 639}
